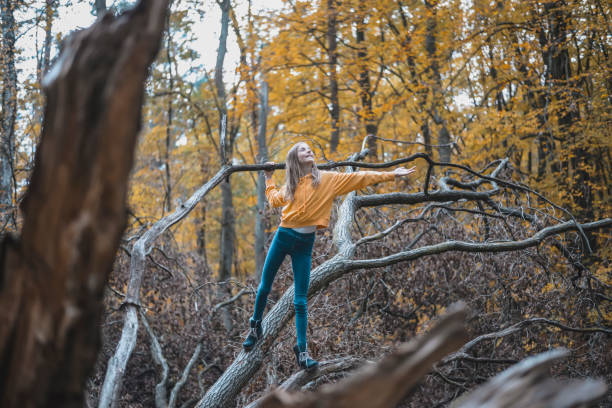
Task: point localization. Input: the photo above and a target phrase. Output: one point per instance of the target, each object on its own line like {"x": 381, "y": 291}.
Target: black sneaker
{"x": 304, "y": 360}
{"x": 255, "y": 333}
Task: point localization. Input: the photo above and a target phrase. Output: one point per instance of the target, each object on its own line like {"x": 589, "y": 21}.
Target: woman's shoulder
{"x": 327, "y": 173}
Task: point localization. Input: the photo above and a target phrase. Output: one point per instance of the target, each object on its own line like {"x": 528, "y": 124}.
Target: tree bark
{"x": 332, "y": 56}
{"x": 9, "y": 112}
{"x": 170, "y": 116}
{"x": 527, "y": 384}
{"x": 50, "y": 9}
{"x": 365, "y": 92}
{"x": 444, "y": 148}
{"x": 75, "y": 210}
{"x": 227, "y": 238}
{"x": 260, "y": 219}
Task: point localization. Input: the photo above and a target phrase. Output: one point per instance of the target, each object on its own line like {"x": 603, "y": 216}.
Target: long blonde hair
{"x": 293, "y": 172}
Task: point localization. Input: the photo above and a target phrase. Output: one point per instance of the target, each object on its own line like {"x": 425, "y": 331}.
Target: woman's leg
{"x": 301, "y": 277}
{"x": 274, "y": 259}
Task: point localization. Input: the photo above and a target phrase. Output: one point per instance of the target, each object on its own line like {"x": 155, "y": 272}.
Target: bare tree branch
{"x": 161, "y": 391}
{"x": 181, "y": 382}
{"x": 232, "y": 299}
{"x": 462, "y": 353}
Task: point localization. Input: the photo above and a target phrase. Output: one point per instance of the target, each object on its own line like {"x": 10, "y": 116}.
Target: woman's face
{"x": 304, "y": 154}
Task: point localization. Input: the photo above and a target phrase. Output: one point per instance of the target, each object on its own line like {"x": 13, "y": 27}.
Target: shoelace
{"x": 253, "y": 332}
{"x": 304, "y": 356}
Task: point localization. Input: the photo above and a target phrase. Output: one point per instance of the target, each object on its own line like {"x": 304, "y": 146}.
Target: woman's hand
{"x": 268, "y": 173}
{"x": 403, "y": 172}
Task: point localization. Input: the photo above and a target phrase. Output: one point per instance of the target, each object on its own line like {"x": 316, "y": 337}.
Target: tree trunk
{"x": 201, "y": 237}
{"x": 426, "y": 137}
{"x": 169, "y": 113}
{"x": 365, "y": 93}
{"x": 415, "y": 80}
{"x": 100, "y": 7}
{"x": 332, "y": 55}
{"x": 9, "y": 113}
{"x": 444, "y": 148}
{"x": 260, "y": 220}
{"x": 227, "y": 239}
{"x": 75, "y": 211}
{"x": 227, "y": 231}
{"x": 50, "y": 8}
{"x": 559, "y": 73}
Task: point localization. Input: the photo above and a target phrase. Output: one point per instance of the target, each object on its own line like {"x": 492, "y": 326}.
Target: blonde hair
{"x": 293, "y": 172}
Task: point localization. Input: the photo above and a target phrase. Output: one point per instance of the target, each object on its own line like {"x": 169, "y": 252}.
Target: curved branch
{"x": 232, "y": 299}
{"x": 475, "y": 247}
{"x": 520, "y": 326}
{"x": 161, "y": 392}
{"x": 179, "y": 384}
{"x": 303, "y": 377}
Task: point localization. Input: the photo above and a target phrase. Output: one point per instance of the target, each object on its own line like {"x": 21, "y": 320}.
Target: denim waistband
{"x": 297, "y": 234}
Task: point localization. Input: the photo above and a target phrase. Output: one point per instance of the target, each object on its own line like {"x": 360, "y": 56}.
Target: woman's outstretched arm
{"x": 346, "y": 182}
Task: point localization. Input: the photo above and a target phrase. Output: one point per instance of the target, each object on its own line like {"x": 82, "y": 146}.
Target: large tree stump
{"x": 53, "y": 274}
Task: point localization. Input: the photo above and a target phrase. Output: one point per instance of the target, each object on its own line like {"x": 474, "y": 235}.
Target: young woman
{"x": 306, "y": 198}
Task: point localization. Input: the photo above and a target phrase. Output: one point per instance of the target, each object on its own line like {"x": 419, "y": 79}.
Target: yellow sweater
{"x": 312, "y": 206}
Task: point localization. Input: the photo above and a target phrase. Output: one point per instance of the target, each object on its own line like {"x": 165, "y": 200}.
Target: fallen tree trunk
{"x": 53, "y": 274}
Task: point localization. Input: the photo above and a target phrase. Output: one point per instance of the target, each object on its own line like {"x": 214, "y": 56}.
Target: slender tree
{"x": 332, "y": 56}
{"x": 262, "y": 146}
{"x": 45, "y": 61}
{"x": 366, "y": 92}
{"x": 435, "y": 80}
{"x": 9, "y": 113}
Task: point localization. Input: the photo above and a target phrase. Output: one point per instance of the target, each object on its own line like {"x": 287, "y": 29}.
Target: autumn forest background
{"x": 520, "y": 87}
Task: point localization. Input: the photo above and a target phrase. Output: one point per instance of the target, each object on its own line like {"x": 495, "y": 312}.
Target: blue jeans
{"x": 299, "y": 246}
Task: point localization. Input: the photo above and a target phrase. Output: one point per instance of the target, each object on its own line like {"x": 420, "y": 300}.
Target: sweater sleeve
{"x": 275, "y": 196}
{"x": 346, "y": 182}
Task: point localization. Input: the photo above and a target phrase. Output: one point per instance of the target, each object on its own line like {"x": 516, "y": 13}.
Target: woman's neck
{"x": 305, "y": 169}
